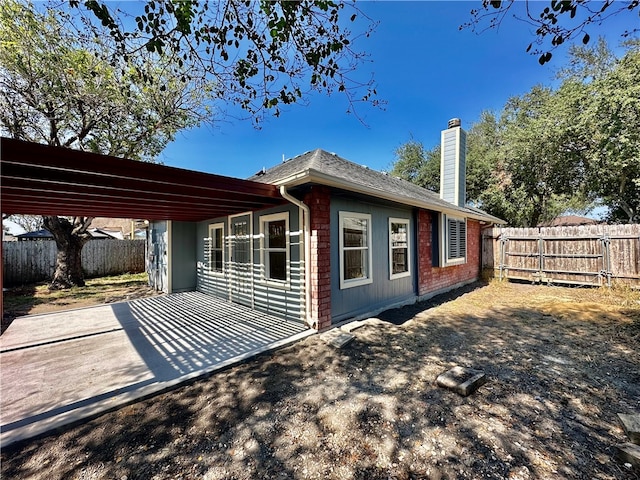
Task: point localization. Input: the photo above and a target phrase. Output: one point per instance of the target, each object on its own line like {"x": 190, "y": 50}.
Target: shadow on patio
{"x": 65, "y": 367}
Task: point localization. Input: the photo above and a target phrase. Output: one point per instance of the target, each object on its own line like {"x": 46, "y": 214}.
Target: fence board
{"x": 586, "y": 254}
{"x": 34, "y": 261}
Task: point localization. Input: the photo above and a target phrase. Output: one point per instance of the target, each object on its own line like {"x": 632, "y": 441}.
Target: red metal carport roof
{"x": 44, "y": 180}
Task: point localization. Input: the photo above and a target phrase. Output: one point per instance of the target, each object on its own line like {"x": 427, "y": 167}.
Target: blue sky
{"x": 426, "y": 69}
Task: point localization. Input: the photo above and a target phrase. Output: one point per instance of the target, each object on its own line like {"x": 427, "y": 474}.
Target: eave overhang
{"x": 311, "y": 176}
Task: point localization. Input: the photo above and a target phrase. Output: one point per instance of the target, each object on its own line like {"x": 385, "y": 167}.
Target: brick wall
{"x": 319, "y": 266}
{"x": 431, "y": 278}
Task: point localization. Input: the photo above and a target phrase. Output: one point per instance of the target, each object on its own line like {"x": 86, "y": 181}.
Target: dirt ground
{"x": 561, "y": 363}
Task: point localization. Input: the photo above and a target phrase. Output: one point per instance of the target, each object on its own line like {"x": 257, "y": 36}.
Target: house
{"x": 35, "y": 235}
{"x": 120, "y": 228}
{"x": 350, "y": 241}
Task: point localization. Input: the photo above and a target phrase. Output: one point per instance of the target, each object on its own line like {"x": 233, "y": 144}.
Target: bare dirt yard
{"x": 561, "y": 363}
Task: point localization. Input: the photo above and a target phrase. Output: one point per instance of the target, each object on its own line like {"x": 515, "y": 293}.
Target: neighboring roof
{"x": 38, "y": 234}
{"x": 46, "y": 180}
{"x": 569, "y": 221}
{"x": 45, "y": 234}
{"x": 321, "y": 167}
{"x": 112, "y": 225}
{"x": 98, "y": 233}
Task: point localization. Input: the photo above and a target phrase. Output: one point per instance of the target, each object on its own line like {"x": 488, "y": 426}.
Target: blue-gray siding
{"x": 183, "y": 265}
{"x": 252, "y": 290}
{"x": 382, "y": 291}
{"x": 183, "y": 256}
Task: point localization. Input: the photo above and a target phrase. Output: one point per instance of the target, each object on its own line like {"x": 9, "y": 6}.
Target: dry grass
{"x": 37, "y": 298}
{"x": 561, "y": 363}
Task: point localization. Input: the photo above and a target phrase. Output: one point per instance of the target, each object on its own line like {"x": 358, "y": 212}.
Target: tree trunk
{"x": 70, "y": 237}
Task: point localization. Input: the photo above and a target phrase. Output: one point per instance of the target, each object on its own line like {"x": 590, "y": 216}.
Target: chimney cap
{"x": 454, "y": 122}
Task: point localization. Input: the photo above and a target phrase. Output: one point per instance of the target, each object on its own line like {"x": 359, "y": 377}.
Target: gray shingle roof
{"x": 329, "y": 166}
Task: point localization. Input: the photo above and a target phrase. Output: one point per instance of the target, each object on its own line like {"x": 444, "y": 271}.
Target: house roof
{"x": 568, "y": 220}
{"x": 324, "y": 168}
{"x": 35, "y": 234}
{"x": 45, "y": 234}
{"x": 46, "y": 180}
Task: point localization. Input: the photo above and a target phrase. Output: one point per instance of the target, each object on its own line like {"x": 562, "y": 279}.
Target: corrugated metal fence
{"x": 585, "y": 255}
{"x": 34, "y": 261}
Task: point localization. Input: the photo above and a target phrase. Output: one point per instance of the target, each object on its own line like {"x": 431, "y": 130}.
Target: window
{"x": 355, "y": 249}
{"x": 275, "y": 246}
{"x": 456, "y": 241}
{"x": 399, "y": 252}
{"x": 216, "y": 247}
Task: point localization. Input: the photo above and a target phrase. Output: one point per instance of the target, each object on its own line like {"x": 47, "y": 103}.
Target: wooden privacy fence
{"x": 34, "y": 261}
{"x": 584, "y": 255}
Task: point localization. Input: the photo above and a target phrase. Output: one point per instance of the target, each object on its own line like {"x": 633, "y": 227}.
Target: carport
{"x": 118, "y": 353}
{"x": 47, "y": 180}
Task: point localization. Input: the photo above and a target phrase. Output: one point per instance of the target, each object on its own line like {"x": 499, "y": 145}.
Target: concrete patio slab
{"x": 61, "y": 368}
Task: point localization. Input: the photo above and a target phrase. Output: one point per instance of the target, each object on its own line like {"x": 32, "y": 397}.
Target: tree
{"x": 524, "y": 166}
{"x": 612, "y": 119}
{"x": 30, "y": 223}
{"x": 555, "y": 150}
{"x": 58, "y": 88}
{"x": 417, "y": 165}
{"x": 543, "y": 153}
{"x": 483, "y": 156}
{"x": 555, "y": 21}
{"x": 421, "y": 166}
{"x": 260, "y": 55}
{"x": 126, "y": 93}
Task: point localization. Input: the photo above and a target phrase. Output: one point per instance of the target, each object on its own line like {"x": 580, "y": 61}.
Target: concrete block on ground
{"x": 631, "y": 425}
{"x": 462, "y": 380}
{"x": 629, "y": 453}
{"x": 337, "y": 338}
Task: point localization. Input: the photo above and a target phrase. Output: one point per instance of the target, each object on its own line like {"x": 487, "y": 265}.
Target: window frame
{"x": 265, "y": 249}
{"x": 407, "y": 273}
{"x": 456, "y": 260}
{"x": 212, "y": 228}
{"x": 355, "y": 282}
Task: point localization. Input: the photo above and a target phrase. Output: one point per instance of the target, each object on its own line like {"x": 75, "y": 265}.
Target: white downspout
{"x": 307, "y": 252}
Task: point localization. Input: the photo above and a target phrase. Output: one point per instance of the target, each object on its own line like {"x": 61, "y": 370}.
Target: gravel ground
{"x": 561, "y": 363}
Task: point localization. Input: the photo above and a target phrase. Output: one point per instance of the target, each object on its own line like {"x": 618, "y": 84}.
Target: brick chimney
{"x": 453, "y": 164}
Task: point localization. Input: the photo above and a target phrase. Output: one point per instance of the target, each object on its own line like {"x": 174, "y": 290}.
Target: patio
{"x": 63, "y": 368}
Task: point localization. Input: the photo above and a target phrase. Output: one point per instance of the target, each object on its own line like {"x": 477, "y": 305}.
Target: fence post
{"x": 606, "y": 258}
{"x": 540, "y": 255}
{"x": 503, "y": 240}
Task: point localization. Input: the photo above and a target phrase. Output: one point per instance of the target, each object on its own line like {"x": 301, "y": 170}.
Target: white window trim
{"x": 356, "y": 282}
{"x": 230, "y": 238}
{"x": 394, "y": 276}
{"x": 264, "y": 258}
{"x": 212, "y": 227}
{"x": 445, "y": 245}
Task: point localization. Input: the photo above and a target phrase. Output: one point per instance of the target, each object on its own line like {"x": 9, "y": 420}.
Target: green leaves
{"x": 61, "y": 88}
{"x": 251, "y": 50}
{"x": 557, "y": 23}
